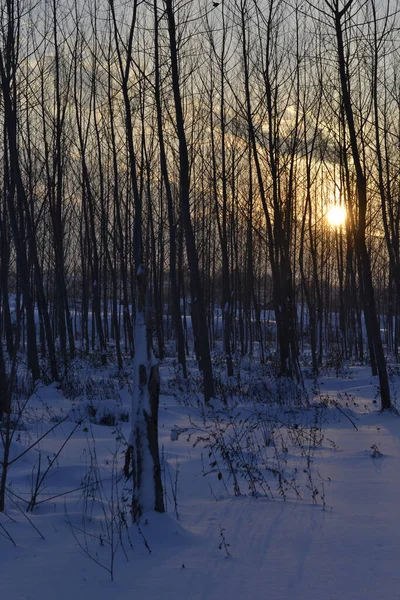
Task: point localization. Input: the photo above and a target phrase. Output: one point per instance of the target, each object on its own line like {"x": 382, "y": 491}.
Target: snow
{"x": 345, "y": 548}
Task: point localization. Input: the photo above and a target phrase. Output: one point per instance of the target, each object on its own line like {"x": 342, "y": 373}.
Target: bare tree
{"x": 338, "y": 16}
{"x": 198, "y": 308}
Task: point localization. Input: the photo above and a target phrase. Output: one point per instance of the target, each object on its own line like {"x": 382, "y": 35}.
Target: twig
{"x": 336, "y": 405}
{"x": 7, "y": 535}
{"x": 27, "y": 518}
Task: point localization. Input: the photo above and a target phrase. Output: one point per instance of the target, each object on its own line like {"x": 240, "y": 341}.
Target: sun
{"x": 336, "y": 215}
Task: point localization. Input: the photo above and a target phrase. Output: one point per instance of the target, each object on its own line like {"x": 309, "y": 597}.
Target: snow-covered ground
{"x": 339, "y": 540}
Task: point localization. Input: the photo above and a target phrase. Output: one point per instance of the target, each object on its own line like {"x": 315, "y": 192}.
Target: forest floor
{"x": 320, "y": 523}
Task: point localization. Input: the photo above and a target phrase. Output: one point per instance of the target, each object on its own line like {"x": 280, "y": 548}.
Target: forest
{"x": 198, "y": 200}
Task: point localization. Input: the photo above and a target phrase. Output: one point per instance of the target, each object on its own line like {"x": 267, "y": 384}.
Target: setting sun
{"x": 336, "y": 215}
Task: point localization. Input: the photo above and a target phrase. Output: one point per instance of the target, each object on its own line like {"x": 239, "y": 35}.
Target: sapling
{"x": 104, "y": 507}
{"x": 223, "y": 545}
{"x": 37, "y": 484}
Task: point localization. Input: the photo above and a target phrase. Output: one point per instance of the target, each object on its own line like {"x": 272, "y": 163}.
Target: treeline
{"x": 206, "y": 143}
